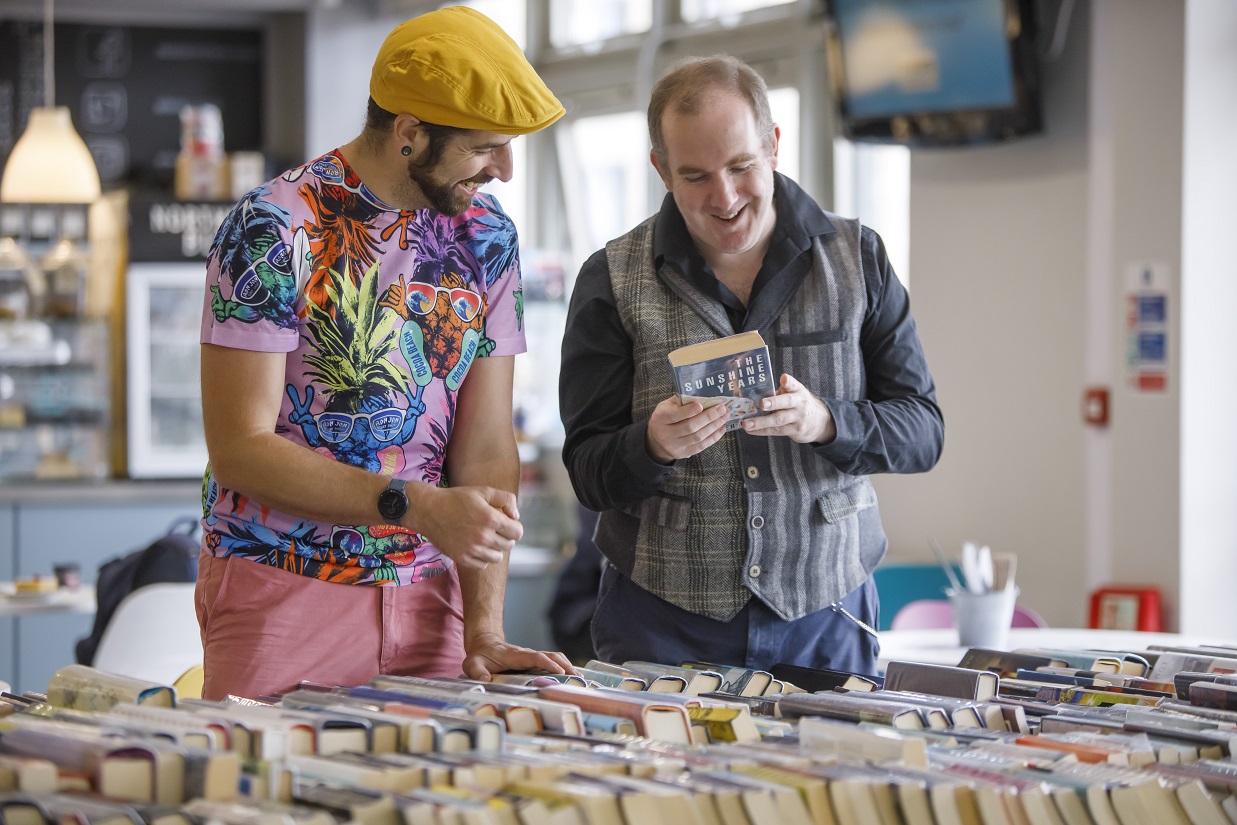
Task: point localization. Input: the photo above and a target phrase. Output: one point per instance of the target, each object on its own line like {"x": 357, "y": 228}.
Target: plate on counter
{"x": 33, "y": 597}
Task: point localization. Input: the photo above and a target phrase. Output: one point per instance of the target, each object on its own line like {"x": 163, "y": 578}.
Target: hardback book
{"x": 734, "y": 370}
{"x": 728, "y": 800}
{"x": 815, "y": 679}
{"x": 963, "y": 713}
{"x": 813, "y": 789}
{"x": 1077, "y": 695}
{"x": 27, "y": 773}
{"x": 85, "y": 688}
{"x": 604, "y": 723}
{"x": 1183, "y": 679}
{"x": 724, "y": 724}
{"x": 387, "y": 732}
{"x": 600, "y": 806}
{"x": 185, "y": 728}
{"x": 1131, "y": 663}
{"x": 647, "y": 799}
{"x": 736, "y": 679}
{"x": 67, "y": 808}
{"x": 606, "y": 678}
{"x": 654, "y": 682}
{"x": 257, "y": 812}
{"x": 534, "y": 679}
{"x": 635, "y": 802}
{"x": 115, "y": 767}
{"x": 1171, "y": 662}
{"x": 517, "y": 715}
{"x": 942, "y": 680}
{"x": 360, "y": 770}
{"x": 654, "y": 718}
{"x": 877, "y": 743}
{"x": 698, "y": 680}
{"x": 273, "y": 731}
{"x": 762, "y": 706}
{"x": 357, "y": 805}
{"x": 764, "y": 801}
{"x": 1006, "y": 663}
{"x": 461, "y": 732}
{"x": 852, "y": 707}
{"x": 414, "y": 734}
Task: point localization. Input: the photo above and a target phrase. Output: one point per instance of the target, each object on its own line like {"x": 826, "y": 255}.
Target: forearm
{"x": 483, "y": 590}
{"x": 291, "y": 478}
{"x": 483, "y": 453}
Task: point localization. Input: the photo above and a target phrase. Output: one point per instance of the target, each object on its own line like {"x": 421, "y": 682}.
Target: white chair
{"x": 153, "y": 634}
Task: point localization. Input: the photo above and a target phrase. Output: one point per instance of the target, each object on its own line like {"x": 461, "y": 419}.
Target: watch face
{"x": 392, "y": 504}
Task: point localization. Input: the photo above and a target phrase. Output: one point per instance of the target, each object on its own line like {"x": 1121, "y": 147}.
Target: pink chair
{"x": 924, "y": 614}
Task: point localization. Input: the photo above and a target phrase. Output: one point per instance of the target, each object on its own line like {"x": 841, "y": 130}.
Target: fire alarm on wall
{"x": 1095, "y": 406}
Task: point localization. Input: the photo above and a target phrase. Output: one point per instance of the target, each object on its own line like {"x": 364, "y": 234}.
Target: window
{"x": 590, "y": 22}
{"x": 695, "y": 11}
{"x": 872, "y": 182}
{"x": 784, "y": 106}
{"x": 604, "y": 164}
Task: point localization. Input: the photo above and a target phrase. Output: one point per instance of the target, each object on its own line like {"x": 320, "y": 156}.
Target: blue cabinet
{"x": 42, "y": 525}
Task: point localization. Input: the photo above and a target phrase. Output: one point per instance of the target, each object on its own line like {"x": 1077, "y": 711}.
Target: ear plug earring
{"x": 406, "y": 151}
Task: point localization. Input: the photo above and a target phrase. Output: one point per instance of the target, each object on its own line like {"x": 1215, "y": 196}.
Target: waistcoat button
{"x": 753, "y": 472}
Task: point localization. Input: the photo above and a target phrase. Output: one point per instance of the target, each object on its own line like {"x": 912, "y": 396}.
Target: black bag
{"x": 173, "y": 557}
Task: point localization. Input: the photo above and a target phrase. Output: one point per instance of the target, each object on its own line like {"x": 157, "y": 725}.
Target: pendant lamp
{"x": 50, "y": 162}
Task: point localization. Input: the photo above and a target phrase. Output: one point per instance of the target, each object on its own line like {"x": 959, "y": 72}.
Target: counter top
{"x": 100, "y": 492}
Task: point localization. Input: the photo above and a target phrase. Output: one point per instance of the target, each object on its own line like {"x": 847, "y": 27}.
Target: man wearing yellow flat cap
{"x": 361, "y": 316}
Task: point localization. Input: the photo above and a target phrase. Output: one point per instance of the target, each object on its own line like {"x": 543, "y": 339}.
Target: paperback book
{"x": 734, "y": 371}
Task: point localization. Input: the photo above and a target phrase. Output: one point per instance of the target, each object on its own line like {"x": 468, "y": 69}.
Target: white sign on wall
{"x": 1147, "y": 344}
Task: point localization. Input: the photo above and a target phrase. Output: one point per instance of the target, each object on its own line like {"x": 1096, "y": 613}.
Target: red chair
{"x": 924, "y": 614}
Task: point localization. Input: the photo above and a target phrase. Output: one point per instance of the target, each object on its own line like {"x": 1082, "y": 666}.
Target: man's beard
{"x": 443, "y": 197}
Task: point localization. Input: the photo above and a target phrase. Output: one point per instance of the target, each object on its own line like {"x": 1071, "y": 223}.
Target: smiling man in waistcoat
{"x": 753, "y": 547}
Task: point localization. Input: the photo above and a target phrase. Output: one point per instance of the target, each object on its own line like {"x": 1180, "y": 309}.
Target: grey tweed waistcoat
{"x": 712, "y": 537}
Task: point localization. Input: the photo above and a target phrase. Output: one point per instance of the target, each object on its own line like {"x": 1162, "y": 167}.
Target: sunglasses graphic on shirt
{"x": 385, "y": 425}
{"x": 422, "y": 297}
{"x": 249, "y": 289}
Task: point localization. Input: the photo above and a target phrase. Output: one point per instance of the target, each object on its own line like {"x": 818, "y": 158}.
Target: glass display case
{"x": 54, "y": 391}
{"x": 163, "y": 364}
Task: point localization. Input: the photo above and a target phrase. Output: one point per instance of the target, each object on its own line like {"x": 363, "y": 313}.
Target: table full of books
{"x": 1021, "y": 737}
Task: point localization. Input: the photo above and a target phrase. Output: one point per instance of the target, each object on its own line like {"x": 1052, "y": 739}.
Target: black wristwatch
{"x": 393, "y": 502}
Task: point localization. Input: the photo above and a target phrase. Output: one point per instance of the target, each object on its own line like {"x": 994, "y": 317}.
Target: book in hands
{"x": 734, "y": 370}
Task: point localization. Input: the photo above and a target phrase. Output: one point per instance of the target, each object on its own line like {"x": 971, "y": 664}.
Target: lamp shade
{"x": 50, "y": 163}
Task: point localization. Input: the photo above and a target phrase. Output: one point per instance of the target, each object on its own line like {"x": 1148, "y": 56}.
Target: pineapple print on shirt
{"x": 382, "y": 312}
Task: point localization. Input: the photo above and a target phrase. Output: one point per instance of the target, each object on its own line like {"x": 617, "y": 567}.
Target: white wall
{"x": 1020, "y": 255}
{"x": 1209, "y": 294}
{"x": 998, "y": 242}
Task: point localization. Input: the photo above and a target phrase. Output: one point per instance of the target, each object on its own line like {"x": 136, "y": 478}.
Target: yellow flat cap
{"x": 457, "y": 67}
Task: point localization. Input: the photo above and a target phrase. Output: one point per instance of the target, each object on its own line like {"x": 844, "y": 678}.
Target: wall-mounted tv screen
{"x": 934, "y": 72}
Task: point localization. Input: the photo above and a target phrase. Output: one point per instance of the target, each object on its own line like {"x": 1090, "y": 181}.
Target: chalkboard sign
{"x": 125, "y": 86}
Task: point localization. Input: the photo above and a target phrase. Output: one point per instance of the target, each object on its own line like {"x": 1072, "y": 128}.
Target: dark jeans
{"x": 633, "y": 624}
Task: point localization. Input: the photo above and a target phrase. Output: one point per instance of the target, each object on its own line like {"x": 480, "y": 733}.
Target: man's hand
{"x": 681, "y": 430}
{"x": 489, "y": 654}
{"x": 796, "y": 413}
{"x": 472, "y": 526}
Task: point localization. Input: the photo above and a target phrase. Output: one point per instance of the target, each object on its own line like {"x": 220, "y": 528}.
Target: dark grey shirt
{"x": 897, "y": 428}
